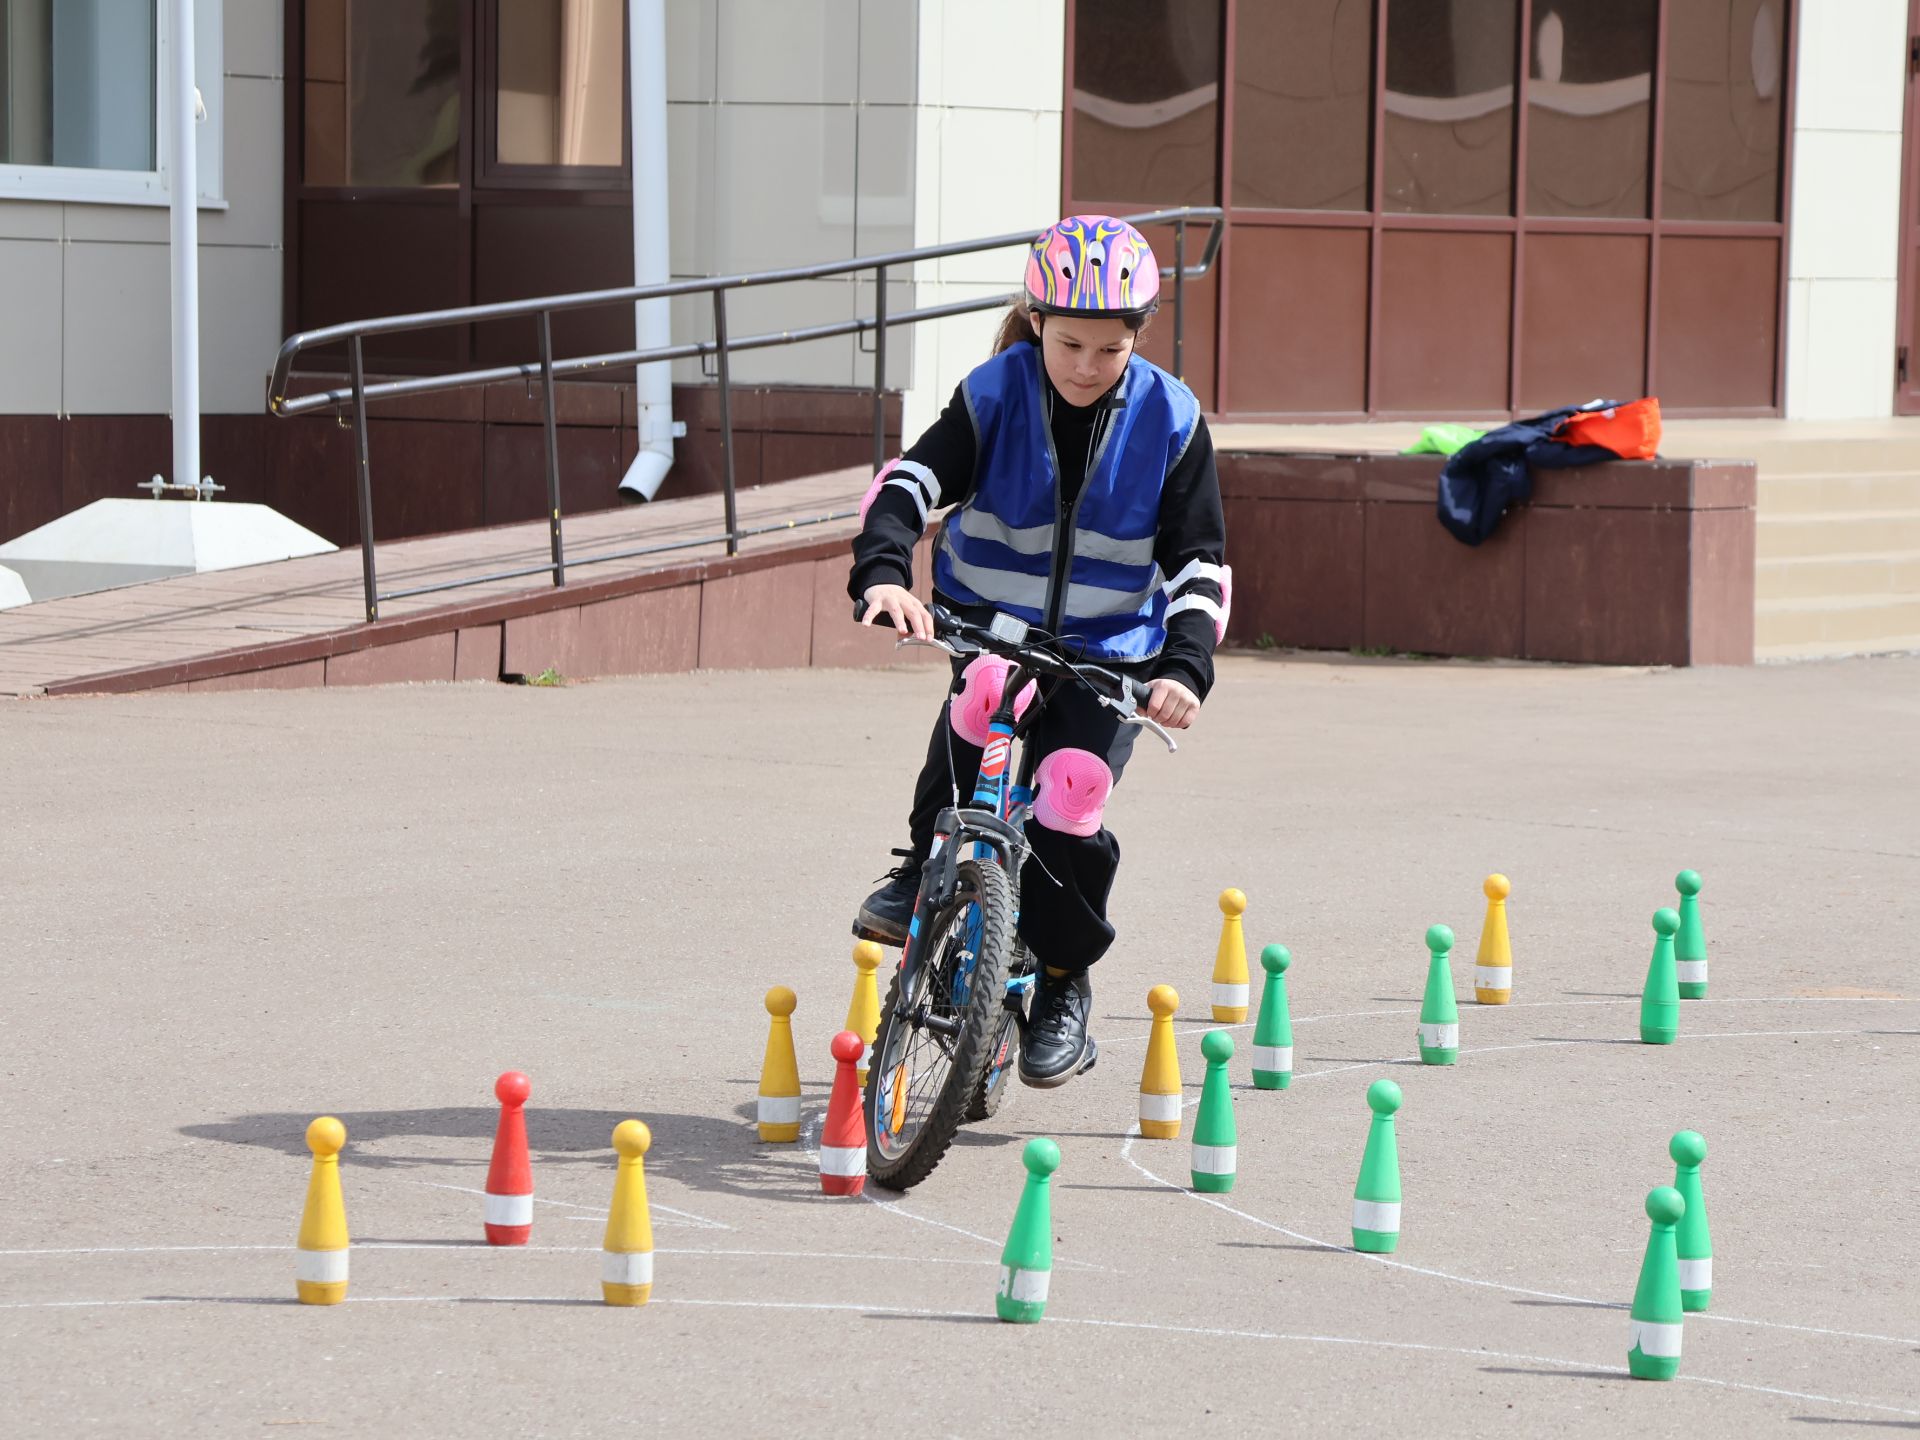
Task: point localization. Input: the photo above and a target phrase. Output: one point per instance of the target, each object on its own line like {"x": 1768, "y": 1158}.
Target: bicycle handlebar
{"x": 1121, "y": 693}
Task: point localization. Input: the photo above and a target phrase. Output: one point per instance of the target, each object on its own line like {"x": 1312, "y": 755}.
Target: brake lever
{"x": 1156, "y": 727}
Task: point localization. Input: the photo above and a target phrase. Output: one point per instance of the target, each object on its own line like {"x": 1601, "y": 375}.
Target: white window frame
{"x": 79, "y": 185}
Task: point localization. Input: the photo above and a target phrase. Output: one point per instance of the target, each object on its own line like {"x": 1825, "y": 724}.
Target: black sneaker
{"x": 884, "y": 914}
{"x": 1057, "y": 1046}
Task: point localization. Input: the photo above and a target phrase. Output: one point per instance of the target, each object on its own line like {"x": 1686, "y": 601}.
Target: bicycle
{"x": 958, "y": 996}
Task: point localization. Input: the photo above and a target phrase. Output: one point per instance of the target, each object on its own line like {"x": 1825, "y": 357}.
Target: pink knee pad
{"x": 874, "y": 489}
{"x": 983, "y": 682}
{"x": 1073, "y": 786}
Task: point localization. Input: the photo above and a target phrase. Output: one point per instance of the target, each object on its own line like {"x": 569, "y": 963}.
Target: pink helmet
{"x": 1092, "y": 265}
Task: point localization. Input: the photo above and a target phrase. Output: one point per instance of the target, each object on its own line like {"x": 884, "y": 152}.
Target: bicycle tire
{"x": 988, "y": 885}
{"x": 991, "y": 1092}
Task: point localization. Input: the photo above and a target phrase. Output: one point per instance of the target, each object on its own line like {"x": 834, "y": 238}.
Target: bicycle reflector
{"x": 1010, "y": 628}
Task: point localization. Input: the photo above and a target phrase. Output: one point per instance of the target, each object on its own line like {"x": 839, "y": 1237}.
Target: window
{"x": 1589, "y": 103}
{"x": 1303, "y": 104}
{"x": 559, "y": 71}
{"x": 1449, "y": 106}
{"x": 381, "y": 87}
{"x": 1726, "y": 80}
{"x": 81, "y": 100}
{"x": 1146, "y": 102}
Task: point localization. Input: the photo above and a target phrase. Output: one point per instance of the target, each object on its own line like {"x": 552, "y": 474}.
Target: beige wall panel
{"x": 251, "y": 31}
{"x": 785, "y": 186}
{"x": 254, "y": 165}
{"x": 30, "y": 349}
{"x": 793, "y": 307}
{"x": 889, "y": 52}
{"x": 239, "y": 327}
{"x": 116, "y": 329}
{"x": 789, "y": 52}
{"x": 692, "y": 44}
{"x": 29, "y": 220}
{"x": 124, "y": 224}
{"x": 690, "y": 166}
{"x": 884, "y": 219}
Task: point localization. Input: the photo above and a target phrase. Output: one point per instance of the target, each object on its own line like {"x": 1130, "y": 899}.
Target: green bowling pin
{"x": 1215, "y": 1147}
{"x": 1273, "y": 1035}
{"x": 1439, "y": 1015}
{"x": 1690, "y": 946}
{"x": 1376, "y": 1195}
{"x": 1660, "y": 1001}
{"x": 1691, "y": 1242}
{"x": 1026, "y": 1265}
{"x": 1653, "y": 1332}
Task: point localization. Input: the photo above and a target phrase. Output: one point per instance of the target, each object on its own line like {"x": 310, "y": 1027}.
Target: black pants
{"x": 1064, "y": 887}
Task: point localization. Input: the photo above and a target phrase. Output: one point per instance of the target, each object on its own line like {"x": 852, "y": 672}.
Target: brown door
{"x": 1906, "y": 370}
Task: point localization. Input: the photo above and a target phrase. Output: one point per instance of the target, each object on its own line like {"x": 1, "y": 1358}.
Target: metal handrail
{"x": 358, "y": 392}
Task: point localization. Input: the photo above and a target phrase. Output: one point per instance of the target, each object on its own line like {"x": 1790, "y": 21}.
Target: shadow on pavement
{"x": 1556, "y": 1374}
{"x": 1877, "y": 1424}
{"x": 701, "y": 1152}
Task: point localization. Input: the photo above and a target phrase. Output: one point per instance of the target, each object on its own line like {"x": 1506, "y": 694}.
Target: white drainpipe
{"x": 652, "y": 319}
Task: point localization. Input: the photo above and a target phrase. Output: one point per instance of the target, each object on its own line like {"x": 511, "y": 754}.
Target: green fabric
{"x": 1443, "y": 439}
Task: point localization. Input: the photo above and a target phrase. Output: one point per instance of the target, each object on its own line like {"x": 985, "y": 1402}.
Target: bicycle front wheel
{"x": 935, "y": 1034}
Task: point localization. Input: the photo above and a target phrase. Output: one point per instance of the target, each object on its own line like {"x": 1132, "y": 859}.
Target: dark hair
{"x": 1018, "y": 327}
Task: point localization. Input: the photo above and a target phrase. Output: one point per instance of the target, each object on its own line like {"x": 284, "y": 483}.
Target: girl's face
{"x": 1084, "y": 357}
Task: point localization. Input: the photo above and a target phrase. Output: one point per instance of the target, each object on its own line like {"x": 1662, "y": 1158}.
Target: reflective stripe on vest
{"x": 998, "y": 548}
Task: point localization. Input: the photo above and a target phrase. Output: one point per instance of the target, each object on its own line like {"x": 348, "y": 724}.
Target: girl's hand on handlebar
{"x": 900, "y": 605}
{"x": 1172, "y": 704}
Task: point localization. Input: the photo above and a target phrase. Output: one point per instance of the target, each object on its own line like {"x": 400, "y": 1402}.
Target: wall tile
{"x": 1850, "y": 342}
{"x": 692, "y": 49}
{"x": 117, "y": 329}
{"x": 30, "y": 354}
{"x": 690, "y": 161}
{"x": 889, "y": 52}
{"x": 251, "y": 31}
{"x": 1003, "y": 54}
{"x": 1798, "y": 294}
{"x": 794, "y": 52}
{"x": 255, "y": 162}
{"x": 1846, "y": 206}
{"x": 793, "y": 306}
{"x": 992, "y": 181}
{"x": 239, "y": 327}
{"x": 884, "y": 217}
{"x": 1852, "y": 70}
{"x": 784, "y": 186}
{"x": 409, "y": 662}
{"x": 762, "y": 620}
{"x": 30, "y": 220}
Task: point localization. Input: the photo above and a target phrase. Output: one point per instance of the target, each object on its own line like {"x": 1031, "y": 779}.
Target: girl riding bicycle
{"x": 1085, "y": 503}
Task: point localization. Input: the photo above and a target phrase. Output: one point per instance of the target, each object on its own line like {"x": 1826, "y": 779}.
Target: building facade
{"x": 1442, "y": 209}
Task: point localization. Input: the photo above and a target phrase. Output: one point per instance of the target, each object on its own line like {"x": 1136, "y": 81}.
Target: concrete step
{"x": 1846, "y": 624}
{"x": 1827, "y": 650}
{"x": 1813, "y": 577}
{"x": 1821, "y": 457}
{"x": 1857, "y": 532}
{"x": 1832, "y": 494}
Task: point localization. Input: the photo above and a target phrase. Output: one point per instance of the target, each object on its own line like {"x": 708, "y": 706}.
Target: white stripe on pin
{"x": 1230, "y": 997}
{"x": 1690, "y": 972}
{"x": 1159, "y": 1107}
{"x": 509, "y": 1209}
{"x": 836, "y": 1160}
{"x": 1493, "y": 977}
{"x": 1653, "y": 1338}
{"x": 1273, "y": 1058}
{"x": 1024, "y": 1287}
{"x": 635, "y": 1268}
{"x": 321, "y": 1267}
{"x": 1696, "y": 1274}
{"x": 779, "y": 1109}
{"x": 1440, "y": 1037}
{"x": 1382, "y": 1216}
{"x": 1215, "y": 1159}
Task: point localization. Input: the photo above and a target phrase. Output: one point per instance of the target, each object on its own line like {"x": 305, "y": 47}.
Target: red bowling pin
{"x": 510, "y": 1175}
{"x": 843, "y": 1139}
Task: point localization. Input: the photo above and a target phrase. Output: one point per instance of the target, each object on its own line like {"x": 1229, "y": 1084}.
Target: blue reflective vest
{"x": 998, "y": 549}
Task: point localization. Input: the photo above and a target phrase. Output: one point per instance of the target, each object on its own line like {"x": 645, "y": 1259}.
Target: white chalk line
{"x": 1209, "y": 1332}
{"x": 809, "y": 1142}
{"x": 465, "y": 1247}
{"x": 1126, "y": 1154}
{"x": 1471, "y": 1003}
{"x": 593, "y": 1212}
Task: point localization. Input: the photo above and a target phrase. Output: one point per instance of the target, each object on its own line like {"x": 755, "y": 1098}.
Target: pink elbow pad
{"x": 1073, "y": 786}
{"x": 1226, "y": 604}
{"x": 982, "y": 684}
{"x": 874, "y": 489}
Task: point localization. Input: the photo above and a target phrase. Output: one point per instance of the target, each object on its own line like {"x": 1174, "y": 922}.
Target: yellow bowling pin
{"x": 779, "y": 1114}
{"x": 1160, "y": 1080}
{"x": 1493, "y": 967}
{"x": 863, "y": 1012}
{"x": 1230, "y": 964}
{"x": 320, "y": 1265}
{"x": 626, "y": 1261}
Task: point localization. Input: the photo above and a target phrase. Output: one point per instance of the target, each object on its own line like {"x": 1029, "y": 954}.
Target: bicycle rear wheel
{"x": 933, "y": 1043}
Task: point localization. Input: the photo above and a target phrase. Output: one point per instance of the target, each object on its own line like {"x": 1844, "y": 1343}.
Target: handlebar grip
{"x": 1140, "y": 690}
{"x": 860, "y": 608}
